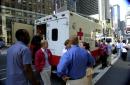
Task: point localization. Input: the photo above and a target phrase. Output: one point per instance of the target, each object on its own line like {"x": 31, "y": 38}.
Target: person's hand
{"x": 65, "y": 78}
{"x": 37, "y": 82}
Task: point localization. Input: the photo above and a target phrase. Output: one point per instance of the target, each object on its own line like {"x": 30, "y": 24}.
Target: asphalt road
{"x": 118, "y": 74}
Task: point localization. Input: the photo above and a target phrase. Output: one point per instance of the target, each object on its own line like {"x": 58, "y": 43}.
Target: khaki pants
{"x": 89, "y": 75}
{"x": 81, "y": 81}
{"x": 45, "y": 75}
{"x": 109, "y": 59}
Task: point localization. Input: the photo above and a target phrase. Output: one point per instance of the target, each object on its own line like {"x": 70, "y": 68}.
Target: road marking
{"x": 101, "y": 72}
{"x": 2, "y": 69}
{"x": 2, "y": 79}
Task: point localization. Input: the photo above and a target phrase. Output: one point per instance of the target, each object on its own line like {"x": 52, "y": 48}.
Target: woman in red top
{"x": 43, "y": 62}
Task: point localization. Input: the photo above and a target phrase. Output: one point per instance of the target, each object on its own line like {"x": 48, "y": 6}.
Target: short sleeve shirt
{"x": 17, "y": 56}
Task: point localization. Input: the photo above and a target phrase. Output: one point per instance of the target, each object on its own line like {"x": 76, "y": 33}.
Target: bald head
{"x": 73, "y": 40}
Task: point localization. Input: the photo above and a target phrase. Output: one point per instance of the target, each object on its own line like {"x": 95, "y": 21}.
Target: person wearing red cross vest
{"x": 43, "y": 59}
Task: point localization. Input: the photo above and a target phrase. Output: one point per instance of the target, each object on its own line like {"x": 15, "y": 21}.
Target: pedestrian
{"x": 118, "y": 47}
{"x": 124, "y": 50}
{"x": 67, "y": 46}
{"x": 35, "y": 46}
{"x": 109, "y": 47}
{"x": 99, "y": 43}
{"x": 114, "y": 50}
{"x": 73, "y": 64}
{"x": 43, "y": 62}
{"x": 104, "y": 54}
{"x": 89, "y": 71}
{"x": 19, "y": 71}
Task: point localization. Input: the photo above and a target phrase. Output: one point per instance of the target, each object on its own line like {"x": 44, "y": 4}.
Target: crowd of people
{"x": 75, "y": 66}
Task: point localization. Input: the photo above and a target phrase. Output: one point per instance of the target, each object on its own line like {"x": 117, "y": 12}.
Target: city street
{"x": 118, "y": 74}
{"x": 108, "y": 76}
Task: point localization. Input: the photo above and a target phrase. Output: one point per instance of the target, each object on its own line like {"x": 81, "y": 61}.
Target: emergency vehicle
{"x": 59, "y": 27}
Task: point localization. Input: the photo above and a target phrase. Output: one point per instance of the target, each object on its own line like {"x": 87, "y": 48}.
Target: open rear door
{"x": 57, "y": 32}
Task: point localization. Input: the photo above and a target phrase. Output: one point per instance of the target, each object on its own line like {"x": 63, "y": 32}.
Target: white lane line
{"x": 2, "y": 79}
{"x": 102, "y": 72}
{"x": 2, "y": 70}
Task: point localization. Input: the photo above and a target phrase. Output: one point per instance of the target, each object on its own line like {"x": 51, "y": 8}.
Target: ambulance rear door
{"x": 57, "y": 33}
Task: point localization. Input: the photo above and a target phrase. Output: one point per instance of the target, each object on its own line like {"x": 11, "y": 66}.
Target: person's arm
{"x": 62, "y": 67}
{"x": 29, "y": 74}
{"x": 39, "y": 61}
{"x": 27, "y": 61}
{"x": 91, "y": 60}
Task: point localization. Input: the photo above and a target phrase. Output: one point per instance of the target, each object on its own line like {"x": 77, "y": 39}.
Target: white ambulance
{"x": 59, "y": 27}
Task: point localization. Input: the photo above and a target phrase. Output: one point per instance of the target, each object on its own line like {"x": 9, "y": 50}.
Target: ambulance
{"x": 59, "y": 27}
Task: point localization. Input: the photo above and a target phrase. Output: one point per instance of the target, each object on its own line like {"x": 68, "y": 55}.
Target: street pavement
{"x": 108, "y": 76}
{"x": 118, "y": 74}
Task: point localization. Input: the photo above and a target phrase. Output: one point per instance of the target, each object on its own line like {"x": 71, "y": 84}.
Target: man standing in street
{"x": 19, "y": 71}
{"x": 118, "y": 48}
{"x": 73, "y": 64}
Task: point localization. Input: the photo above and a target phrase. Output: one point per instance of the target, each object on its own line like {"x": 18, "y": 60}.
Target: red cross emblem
{"x": 80, "y": 34}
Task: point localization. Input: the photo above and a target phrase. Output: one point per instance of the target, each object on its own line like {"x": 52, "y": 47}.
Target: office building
{"x": 21, "y": 11}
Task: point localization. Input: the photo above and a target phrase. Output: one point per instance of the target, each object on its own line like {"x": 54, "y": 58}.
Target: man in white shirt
{"x": 118, "y": 48}
{"x": 124, "y": 50}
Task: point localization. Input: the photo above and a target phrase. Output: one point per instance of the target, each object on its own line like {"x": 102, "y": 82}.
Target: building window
{"x": 7, "y": 11}
{"x": 8, "y": 22}
{"x": 0, "y": 25}
{"x": 25, "y": 14}
{"x": 7, "y": 4}
{"x": 13, "y": 12}
{"x": 18, "y": 13}
{"x": 13, "y": 4}
{"x": 0, "y": 20}
{"x": 55, "y": 34}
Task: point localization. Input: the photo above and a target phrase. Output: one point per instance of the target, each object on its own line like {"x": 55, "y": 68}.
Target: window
{"x": 7, "y": 11}
{"x": 108, "y": 40}
{"x": 55, "y": 34}
{"x": 8, "y": 22}
{"x": 13, "y": 12}
{"x": 0, "y": 25}
{"x": 0, "y": 20}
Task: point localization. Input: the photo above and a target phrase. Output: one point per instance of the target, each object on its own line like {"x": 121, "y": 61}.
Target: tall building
{"x": 21, "y": 11}
{"x": 61, "y": 5}
{"x": 104, "y": 16}
{"x": 104, "y": 10}
{"x": 116, "y": 18}
{"x": 87, "y": 7}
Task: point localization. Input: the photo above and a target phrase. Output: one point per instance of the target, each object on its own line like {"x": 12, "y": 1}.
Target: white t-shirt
{"x": 123, "y": 47}
{"x": 63, "y": 51}
{"x": 118, "y": 45}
